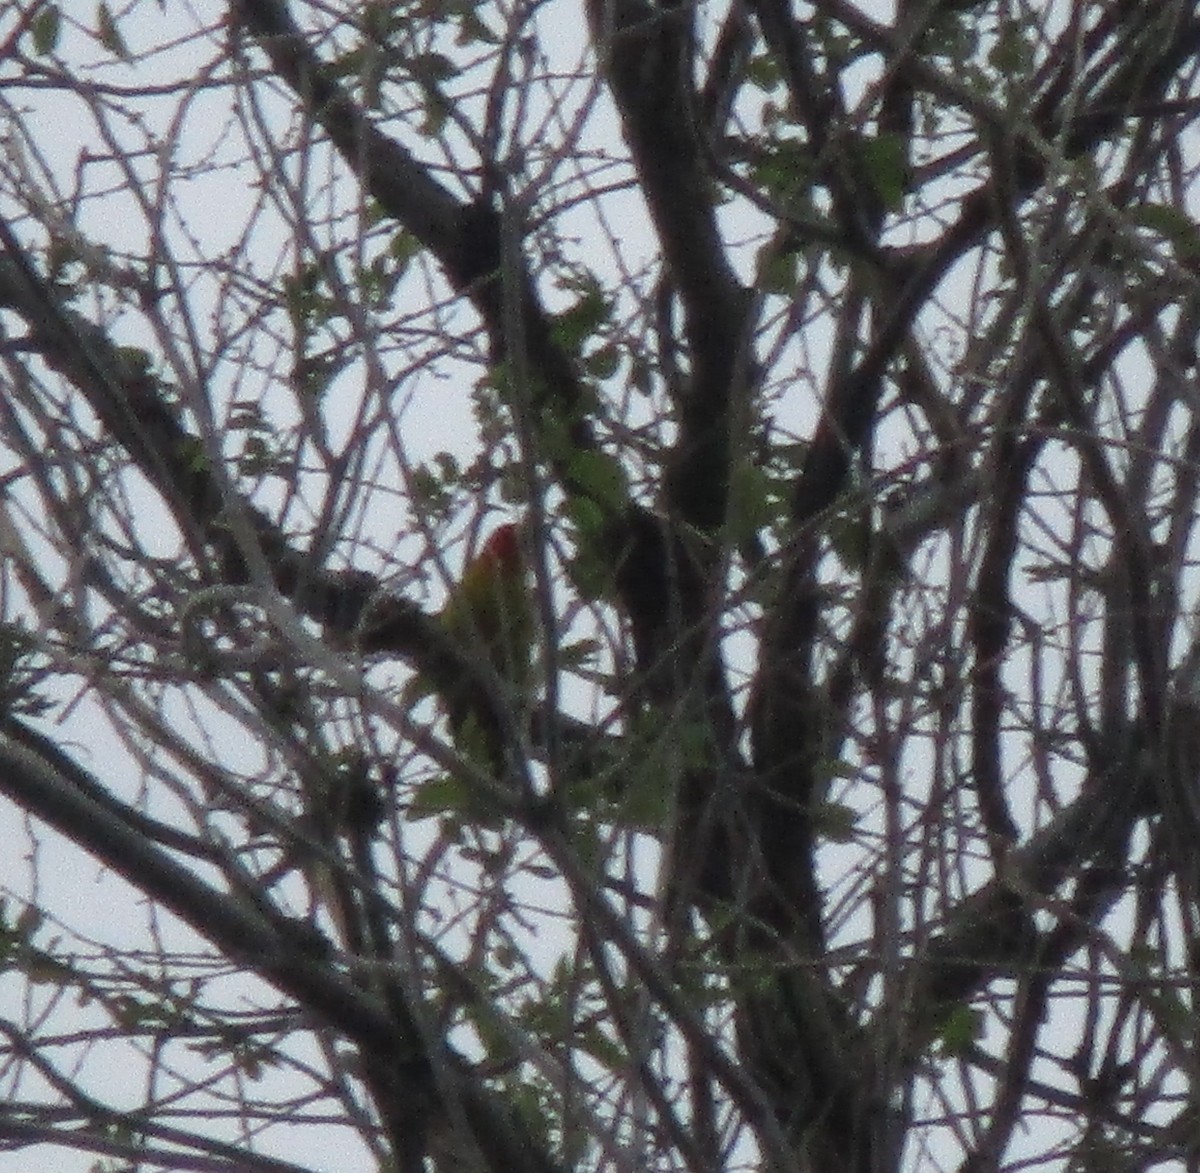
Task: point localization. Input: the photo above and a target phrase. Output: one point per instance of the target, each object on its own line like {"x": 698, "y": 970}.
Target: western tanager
{"x": 490, "y": 616}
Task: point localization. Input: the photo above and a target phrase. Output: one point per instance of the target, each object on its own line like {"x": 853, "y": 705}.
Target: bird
{"x": 490, "y": 616}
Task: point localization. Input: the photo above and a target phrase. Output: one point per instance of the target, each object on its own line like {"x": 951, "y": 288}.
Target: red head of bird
{"x": 503, "y": 549}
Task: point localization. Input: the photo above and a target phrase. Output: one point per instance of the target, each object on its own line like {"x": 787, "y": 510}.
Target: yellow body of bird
{"x": 490, "y": 616}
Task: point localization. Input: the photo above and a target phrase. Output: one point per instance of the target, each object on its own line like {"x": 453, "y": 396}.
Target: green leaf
{"x": 1013, "y": 53}
{"x": 582, "y": 320}
{"x": 29, "y": 921}
{"x": 443, "y": 795}
{"x": 46, "y": 26}
{"x": 429, "y": 491}
{"x": 1173, "y": 225}
{"x": 431, "y": 68}
{"x": 778, "y": 270}
{"x": 603, "y": 363}
{"x": 377, "y": 280}
{"x": 402, "y": 248}
{"x": 131, "y": 362}
{"x": 763, "y": 71}
{"x": 600, "y": 477}
{"x": 647, "y": 802}
{"x": 40, "y": 967}
{"x": 19, "y": 673}
{"x": 754, "y": 503}
{"x": 884, "y": 159}
{"x": 835, "y": 821}
{"x": 606, "y": 1051}
{"x": 109, "y": 34}
{"x": 302, "y": 297}
{"x": 472, "y": 30}
{"x": 785, "y": 171}
{"x": 351, "y": 64}
{"x": 962, "y": 1027}
{"x": 850, "y": 538}
{"x": 193, "y": 454}
{"x": 590, "y": 577}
